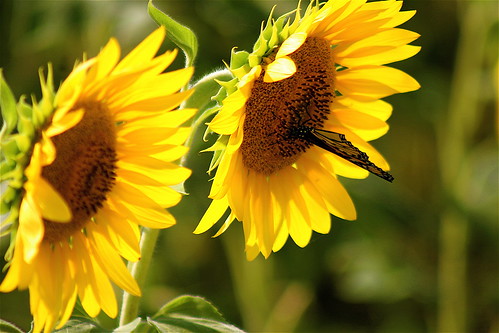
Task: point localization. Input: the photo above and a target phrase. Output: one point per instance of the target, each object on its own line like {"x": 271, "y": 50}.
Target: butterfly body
{"x": 337, "y": 143}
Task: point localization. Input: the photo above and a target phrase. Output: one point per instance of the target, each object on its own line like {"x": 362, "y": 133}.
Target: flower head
{"x": 311, "y": 86}
{"x": 93, "y": 163}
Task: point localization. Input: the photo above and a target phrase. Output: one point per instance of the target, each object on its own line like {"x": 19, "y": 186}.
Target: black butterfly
{"x": 336, "y": 143}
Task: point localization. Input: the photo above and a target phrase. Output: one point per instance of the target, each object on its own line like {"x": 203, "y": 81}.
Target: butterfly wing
{"x": 336, "y": 143}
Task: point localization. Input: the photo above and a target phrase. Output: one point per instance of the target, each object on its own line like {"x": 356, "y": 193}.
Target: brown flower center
{"x": 84, "y": 169}
{"x": 275, "y": 109}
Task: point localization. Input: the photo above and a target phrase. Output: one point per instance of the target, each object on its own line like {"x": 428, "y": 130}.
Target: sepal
{"x": 8, "y": 107}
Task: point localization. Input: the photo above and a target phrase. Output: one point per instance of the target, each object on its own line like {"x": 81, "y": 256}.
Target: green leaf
{"x": 81, "y": 325}
{"x": 7, "y": 327}
{"x": 190, "y": 305}
{"x": 182, "y": 36}
{"x": 129, "y": 327}
{"x": 186, "y": 324}
{"x": 8, "y": 107}
{"x": 190, "y": 314}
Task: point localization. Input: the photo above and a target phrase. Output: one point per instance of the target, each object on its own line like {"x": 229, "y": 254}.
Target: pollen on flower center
{"x": 84, "y": 169}
{"x": 275, "y": 109}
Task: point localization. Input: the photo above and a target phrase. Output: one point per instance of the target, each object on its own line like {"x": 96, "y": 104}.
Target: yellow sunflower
{"x": 95, "y": 165}
{"x": 321, "y": 72}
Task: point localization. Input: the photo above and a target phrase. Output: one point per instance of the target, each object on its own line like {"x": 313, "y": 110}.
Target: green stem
{"x": 252, "y": 283}
{"x": 139, "y": 269}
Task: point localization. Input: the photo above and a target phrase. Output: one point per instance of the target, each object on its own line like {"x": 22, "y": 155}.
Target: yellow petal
{"x": 106, "y": 60}
{"x": 251, "y": 252}
{"x": 52, "y": 205}
{"x": 112, "y": 264}
{"x": 164, "y": 196}
{"x": 336, "y": 198}
{"x": 147, "y": 136}
{"x": 377, "y": 108}
{"x": 281, "y": 237}
{"x": 385, "y": 57}
{"x": 320, "y": 221}
{"x": 261, "y": 212}
{"x": 164, "y": 152}
{"x": 340, "y": 13}
{"x": 381, "y": 48}
{"x": 170, "y": 119}
{"x": 137, "y": 196}
{"x": 71, "y": 89}
{"x": 48, "y": 281}
{"x": 291, "y": 44}
{"x": 298, "y": 216}
{"x": 279, "y": 69}
{"x": 249, "y": 227}
{"x": 158, "y": 86}
{"x": 166, "y": 83}
{"x": 214, "y": 213}
{"x": 374, "y": 82}
{"x": 341, "y": 167}
{"x": 227, "y": 119}
{"x": 174, "y": 136}
{"x": 80, "y": 257}
{"x": 148, "y": 217}
{"x": 44, "y": 151}
{"x": 143, "y": 52}
{"x": 69, "y": 287}
{"x": 20, "y": 273}
{"x": 138, "y": 178}
{"x": 237, "y": 193}
{"x": 123, "y": 235}
{"x": 400, "y": 18}
{"x": 68, "y": 121}
{"x": 31, "y": 228}
{"x": 388, "y": 38}
{"x": 226, "y": 225}
{"x": 236, "y": 139}
{"x": 101, "y": 285}
{"x": 166, "y": 173}
{"x": 365, "y": 126}
{"x": 166, "y": 103}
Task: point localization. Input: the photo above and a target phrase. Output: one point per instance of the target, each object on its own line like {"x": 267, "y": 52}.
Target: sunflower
{"x": 323, "y": 71}
{"x": 96, "y": 163}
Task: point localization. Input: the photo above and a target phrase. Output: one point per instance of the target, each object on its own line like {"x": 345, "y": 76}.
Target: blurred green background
{"x": 423, "y": 254}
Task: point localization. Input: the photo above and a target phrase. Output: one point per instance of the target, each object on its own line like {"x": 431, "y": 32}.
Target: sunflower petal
{"x": 31, "y": 228}
{"x": 374, "y": 82}
{"x": 143, "y": 52}
{"x": 227, "y": 119}
{"x": 212, "y": 215}
{"x": 112, "y": 264}
{"x": 291, "y": 44}
{"x": 52, "y": 205}
{"x": 336, "y": 198}
{"x": 279, "y": 69}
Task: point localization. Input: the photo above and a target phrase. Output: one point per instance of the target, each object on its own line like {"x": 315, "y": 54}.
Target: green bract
{"x": 21, "y": 128}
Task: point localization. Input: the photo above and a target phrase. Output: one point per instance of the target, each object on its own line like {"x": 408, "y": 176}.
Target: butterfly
{"x": 337, "y": 143}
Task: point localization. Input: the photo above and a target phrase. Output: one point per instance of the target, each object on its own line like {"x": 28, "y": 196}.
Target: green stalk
{"x": 457, "y": 129}
{"x": 252, "y": 283}
{"x": 139, "y": 269}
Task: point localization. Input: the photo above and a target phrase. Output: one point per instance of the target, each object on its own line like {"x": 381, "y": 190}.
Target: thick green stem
{"x": 139, "y": 269}
{"x": 252, "y": 283}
